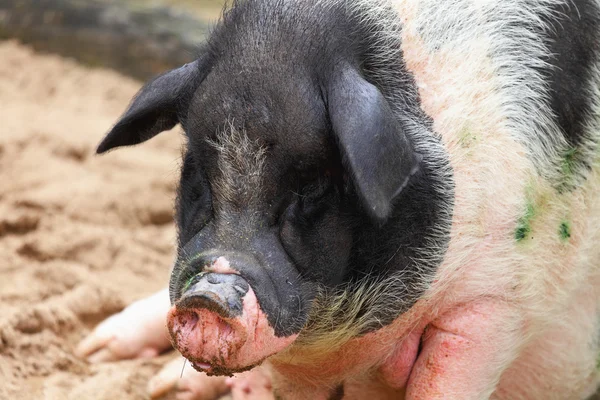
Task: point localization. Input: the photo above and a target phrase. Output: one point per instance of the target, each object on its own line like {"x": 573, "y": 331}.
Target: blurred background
{"x": 82, "y": 236}
{"x": 137, "y": 37}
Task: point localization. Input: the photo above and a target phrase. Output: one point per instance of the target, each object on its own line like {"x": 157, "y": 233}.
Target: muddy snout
{"x": 219, "y": 325}
{"x": 222, "y": 294}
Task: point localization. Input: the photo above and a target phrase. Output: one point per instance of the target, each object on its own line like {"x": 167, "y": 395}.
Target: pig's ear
{"x": 155, "y": 108}
{"x": 374, "y": 143}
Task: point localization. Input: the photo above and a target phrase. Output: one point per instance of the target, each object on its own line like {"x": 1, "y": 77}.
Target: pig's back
{"x": 521, "y": 130}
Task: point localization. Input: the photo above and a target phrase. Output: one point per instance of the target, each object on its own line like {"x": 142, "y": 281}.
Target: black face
{"x": 296, "y": 162}
{"x": 302, "y": 199}
{"x": 262, "y": 180}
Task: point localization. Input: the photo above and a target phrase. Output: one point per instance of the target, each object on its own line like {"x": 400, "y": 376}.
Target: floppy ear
{"x": 155, "y": 108}
{"x": 373, "y": 141}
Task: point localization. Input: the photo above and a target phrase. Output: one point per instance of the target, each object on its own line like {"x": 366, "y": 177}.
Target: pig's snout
{"x": 218, "y": 324}
{"x": 222, "y": 294}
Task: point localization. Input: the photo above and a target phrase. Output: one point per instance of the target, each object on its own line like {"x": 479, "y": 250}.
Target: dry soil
{"x": 81, "y": 235}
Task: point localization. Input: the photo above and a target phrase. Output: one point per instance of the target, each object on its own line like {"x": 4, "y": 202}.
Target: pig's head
{"x": 294, "y": 172}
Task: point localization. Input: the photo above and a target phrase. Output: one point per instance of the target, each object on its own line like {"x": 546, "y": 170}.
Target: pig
{"x": 386, "y": 199}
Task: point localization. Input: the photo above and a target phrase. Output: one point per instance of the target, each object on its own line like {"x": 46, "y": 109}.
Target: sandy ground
{"x": 81, "y": 235}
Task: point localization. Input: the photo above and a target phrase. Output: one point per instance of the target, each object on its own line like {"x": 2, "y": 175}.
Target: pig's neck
{"x": 384, "y": 356}
{"x": 406, "y": 252}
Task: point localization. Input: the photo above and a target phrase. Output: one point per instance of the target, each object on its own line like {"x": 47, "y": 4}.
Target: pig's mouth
{"x": 219, "y": 326}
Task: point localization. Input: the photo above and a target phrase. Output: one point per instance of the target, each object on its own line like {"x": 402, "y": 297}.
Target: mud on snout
{"x": 218, "y": 324}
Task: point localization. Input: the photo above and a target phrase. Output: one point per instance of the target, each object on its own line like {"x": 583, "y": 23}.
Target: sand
{"x": 81, "y": 235}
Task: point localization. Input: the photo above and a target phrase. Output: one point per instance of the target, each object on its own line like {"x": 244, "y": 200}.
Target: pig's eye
{"x": 316, "y": 191}
{"x": 312, "y": 196}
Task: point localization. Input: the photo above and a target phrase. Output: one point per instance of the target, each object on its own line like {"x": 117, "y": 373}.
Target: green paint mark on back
{"x": 521, "y": 232}
{"x": 537, "y": 202}
{"x": 564, "y": 230}
{"x": 524, "y": 223}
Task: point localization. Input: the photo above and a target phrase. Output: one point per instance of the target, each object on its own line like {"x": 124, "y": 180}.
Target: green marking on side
{"x": 467, "y": 138}
{"x": 568, "y": 162}
{"x": 524, "y": 223}
{"x": 564, "y": 230}
{"x": 598, "y": 362}
{"x": 521, "y": 232}
{"x": 568, "y": 168}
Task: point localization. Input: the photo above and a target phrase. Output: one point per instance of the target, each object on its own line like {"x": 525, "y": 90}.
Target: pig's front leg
{"x": 465, "y": 351}
{"x": 139, "y": 331}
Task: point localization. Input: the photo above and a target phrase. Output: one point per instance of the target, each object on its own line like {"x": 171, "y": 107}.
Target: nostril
{"x": 191, "y": 320}
{"x": 186, "y": 321}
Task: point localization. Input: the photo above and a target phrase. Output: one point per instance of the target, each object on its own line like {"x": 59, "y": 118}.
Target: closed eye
{"x": 313, "y": 197}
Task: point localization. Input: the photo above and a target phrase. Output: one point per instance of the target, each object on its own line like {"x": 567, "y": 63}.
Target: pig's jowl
{"x": 388, "y": 198}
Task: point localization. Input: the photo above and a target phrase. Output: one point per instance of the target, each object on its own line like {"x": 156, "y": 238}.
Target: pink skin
{"x": 396, "y": 369}
{"x": 118, "y": 337}
{"x": 221, "y": 266}
{"x": 219, "y": 345}
{"x": 464, "y": 352}
{"x": 252, "y": 385}
{"x": 376, "y": 365}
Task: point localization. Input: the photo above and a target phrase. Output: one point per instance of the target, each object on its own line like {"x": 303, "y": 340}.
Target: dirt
{"x": 81, "y": 235}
